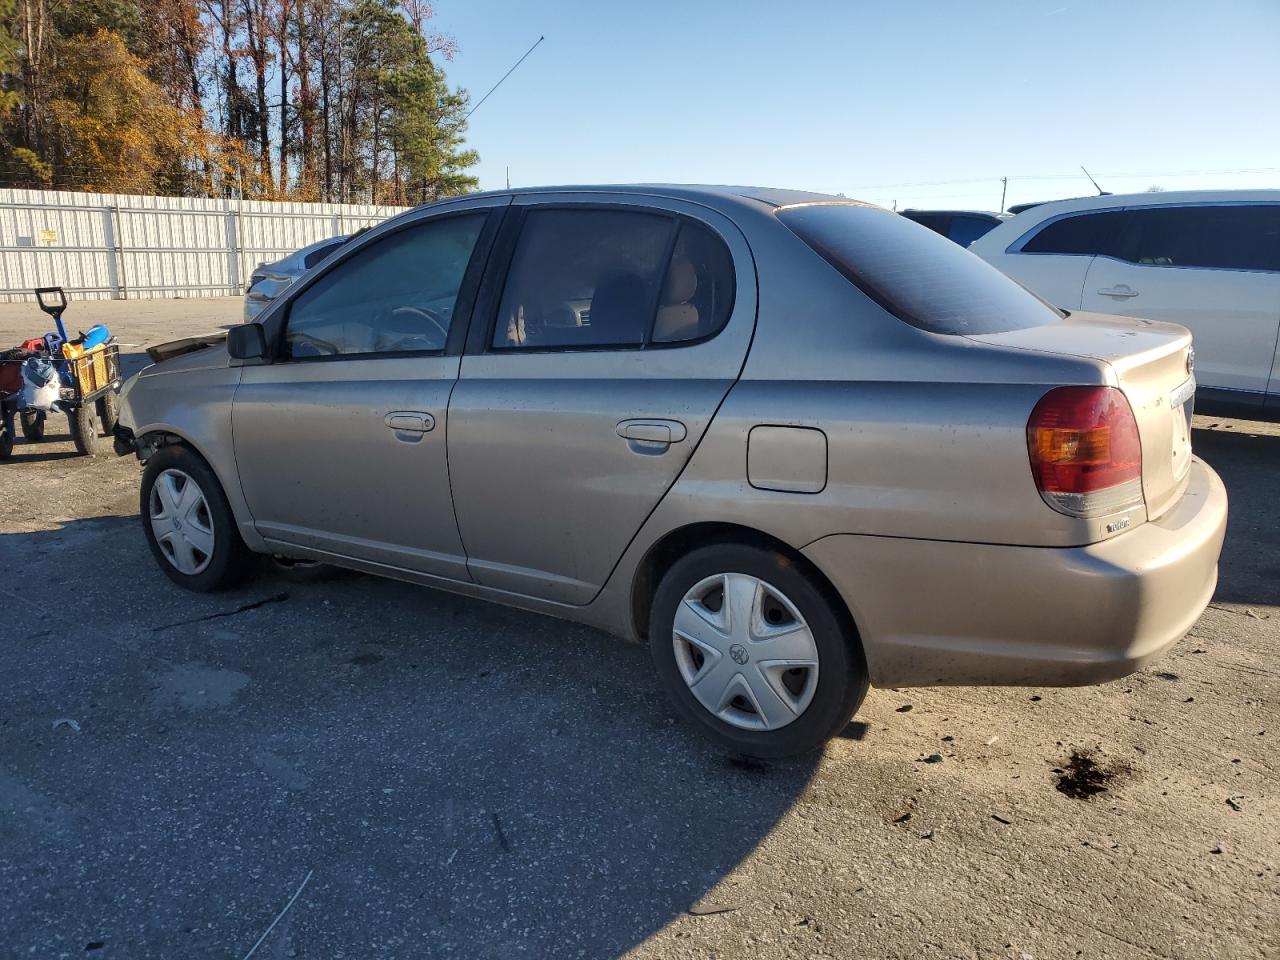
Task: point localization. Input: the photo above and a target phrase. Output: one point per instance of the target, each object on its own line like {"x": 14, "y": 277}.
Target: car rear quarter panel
{"x": 932, "y": 612}
{"x": 926, "y": 433}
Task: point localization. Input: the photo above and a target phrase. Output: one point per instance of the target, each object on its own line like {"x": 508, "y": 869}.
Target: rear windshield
{"x": 914, "y": 273}
{"x": 315, "y": 256}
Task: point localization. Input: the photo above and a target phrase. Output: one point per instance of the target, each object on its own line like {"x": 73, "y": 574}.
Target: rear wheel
{"x": 84, "y": 429}
{"x": 33, "y": 422}
{"x": 753, "y": 652}
{"x": 189, "y": 525}
{"x": 6, "y": 443}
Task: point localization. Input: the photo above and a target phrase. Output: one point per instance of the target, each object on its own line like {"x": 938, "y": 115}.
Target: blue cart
{"x": 88, "y": 385}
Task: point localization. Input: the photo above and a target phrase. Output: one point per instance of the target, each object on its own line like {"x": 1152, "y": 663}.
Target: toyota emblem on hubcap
{"x": 739, "y": 654}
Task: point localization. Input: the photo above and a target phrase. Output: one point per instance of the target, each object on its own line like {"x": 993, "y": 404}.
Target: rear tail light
{"x": 1085, "y": 453}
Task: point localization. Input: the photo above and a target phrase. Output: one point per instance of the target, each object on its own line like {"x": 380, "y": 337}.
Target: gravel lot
{"x": 451, "y": 778}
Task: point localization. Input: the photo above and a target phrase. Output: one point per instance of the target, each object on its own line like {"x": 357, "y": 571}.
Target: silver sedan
{"x": 795, "y": 443}
{"x": 270, "y": 279}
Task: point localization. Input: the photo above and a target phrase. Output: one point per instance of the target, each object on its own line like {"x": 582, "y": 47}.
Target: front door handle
{"x": 1121, "y": 291}
{"x": 411, "y": 422}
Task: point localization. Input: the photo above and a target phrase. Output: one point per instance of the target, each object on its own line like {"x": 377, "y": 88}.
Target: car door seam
{"x": 746, "y": 355}
{"x": 235, "y": 454}
{"x": 448, "y": 471}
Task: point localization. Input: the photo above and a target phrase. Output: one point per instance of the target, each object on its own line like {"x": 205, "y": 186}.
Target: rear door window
{"x": 1237, "y": 237}
{"x": 919, "y": 276}
{"x": 697, "y": 294}
{"x": 315, "y": 256}
{"x": 612, "y": 279}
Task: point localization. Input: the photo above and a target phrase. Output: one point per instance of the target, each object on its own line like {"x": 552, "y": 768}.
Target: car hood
{"x": 190, "y": 353}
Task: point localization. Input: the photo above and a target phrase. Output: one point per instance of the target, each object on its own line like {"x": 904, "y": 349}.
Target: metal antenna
{"x": 499, "y": 83}
{"x": 1101, "y": 192}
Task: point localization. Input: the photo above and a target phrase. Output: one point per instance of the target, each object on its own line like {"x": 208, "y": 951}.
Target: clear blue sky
{"x": 875, "y": 99}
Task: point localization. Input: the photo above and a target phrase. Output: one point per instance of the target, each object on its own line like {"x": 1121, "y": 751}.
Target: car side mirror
{"x": 248, "y": 341}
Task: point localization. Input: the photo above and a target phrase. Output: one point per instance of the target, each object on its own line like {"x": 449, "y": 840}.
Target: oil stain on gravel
{"x": 1083, "y": 777}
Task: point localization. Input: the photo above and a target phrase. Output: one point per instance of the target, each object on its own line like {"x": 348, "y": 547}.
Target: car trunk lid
{"x": 1152, "y": 363}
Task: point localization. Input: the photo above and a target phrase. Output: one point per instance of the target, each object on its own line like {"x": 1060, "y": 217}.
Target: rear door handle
{"x": 1121, "y": 291}
{"x": 651, "y": 436}
{"x": 410, "y": 422}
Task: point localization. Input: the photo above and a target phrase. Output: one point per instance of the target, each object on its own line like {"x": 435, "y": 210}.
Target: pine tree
{"x": 309, "y": 99}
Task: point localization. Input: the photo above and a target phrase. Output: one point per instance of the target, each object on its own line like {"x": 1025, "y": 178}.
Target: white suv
{"x": 1209, "y": 260}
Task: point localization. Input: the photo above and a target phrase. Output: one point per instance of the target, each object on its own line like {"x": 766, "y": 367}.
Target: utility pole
{"x": 508, "y": 178}
{"x": 1004, "y": 190}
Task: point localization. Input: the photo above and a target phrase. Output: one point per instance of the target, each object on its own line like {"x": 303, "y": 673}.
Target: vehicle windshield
{"x": 917, "y": 275}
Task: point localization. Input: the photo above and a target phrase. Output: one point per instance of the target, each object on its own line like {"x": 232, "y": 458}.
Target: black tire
{"x": 842, "y": 673}
{"x": 6, "y": 443}
{"x": 108, "y": 411}
{"x": 230, "y": 562}
{"x": 84, "y": 429}
{"x": 33, "y": 426}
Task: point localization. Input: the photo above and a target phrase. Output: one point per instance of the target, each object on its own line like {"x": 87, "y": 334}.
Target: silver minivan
{"x": 795, "y": 443}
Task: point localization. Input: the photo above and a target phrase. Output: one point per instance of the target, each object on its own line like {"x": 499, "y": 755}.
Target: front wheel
{"x": 188, "y": 523}
{"x": 6, "y": 443}
{"x": 108, "y": 411}
{"x": 84, "y": 428}
{"x": 753, "y": 652}
{"x": 33, "y": 422}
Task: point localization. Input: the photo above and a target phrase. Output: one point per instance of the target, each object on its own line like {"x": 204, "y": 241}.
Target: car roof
{"x": 770, "y": 196}
{"x": 294, "y": 262}
{"x": 1051, "y": 208}
{"x": 953, "y": 213}
{"x": 313, "y": 247}
{"x": 1010, "y": 230}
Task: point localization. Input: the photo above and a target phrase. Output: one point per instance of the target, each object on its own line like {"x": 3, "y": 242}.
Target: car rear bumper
{"x": 932, "y": 612}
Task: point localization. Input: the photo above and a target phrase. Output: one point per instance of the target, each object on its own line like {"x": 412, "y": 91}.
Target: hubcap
{"x": 181, "y": 521}
{"x": 745, "y": 651}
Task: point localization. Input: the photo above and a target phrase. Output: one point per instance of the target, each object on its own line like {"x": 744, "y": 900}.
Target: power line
{"x": 1072, "y": 176}
{"x": 499, "y": 83}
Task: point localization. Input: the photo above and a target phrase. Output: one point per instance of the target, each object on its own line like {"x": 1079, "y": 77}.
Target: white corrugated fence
{"x": 104, "y": 246}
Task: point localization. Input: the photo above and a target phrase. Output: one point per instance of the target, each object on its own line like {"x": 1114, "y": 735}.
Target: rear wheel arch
{"x": 677, "y": 543}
